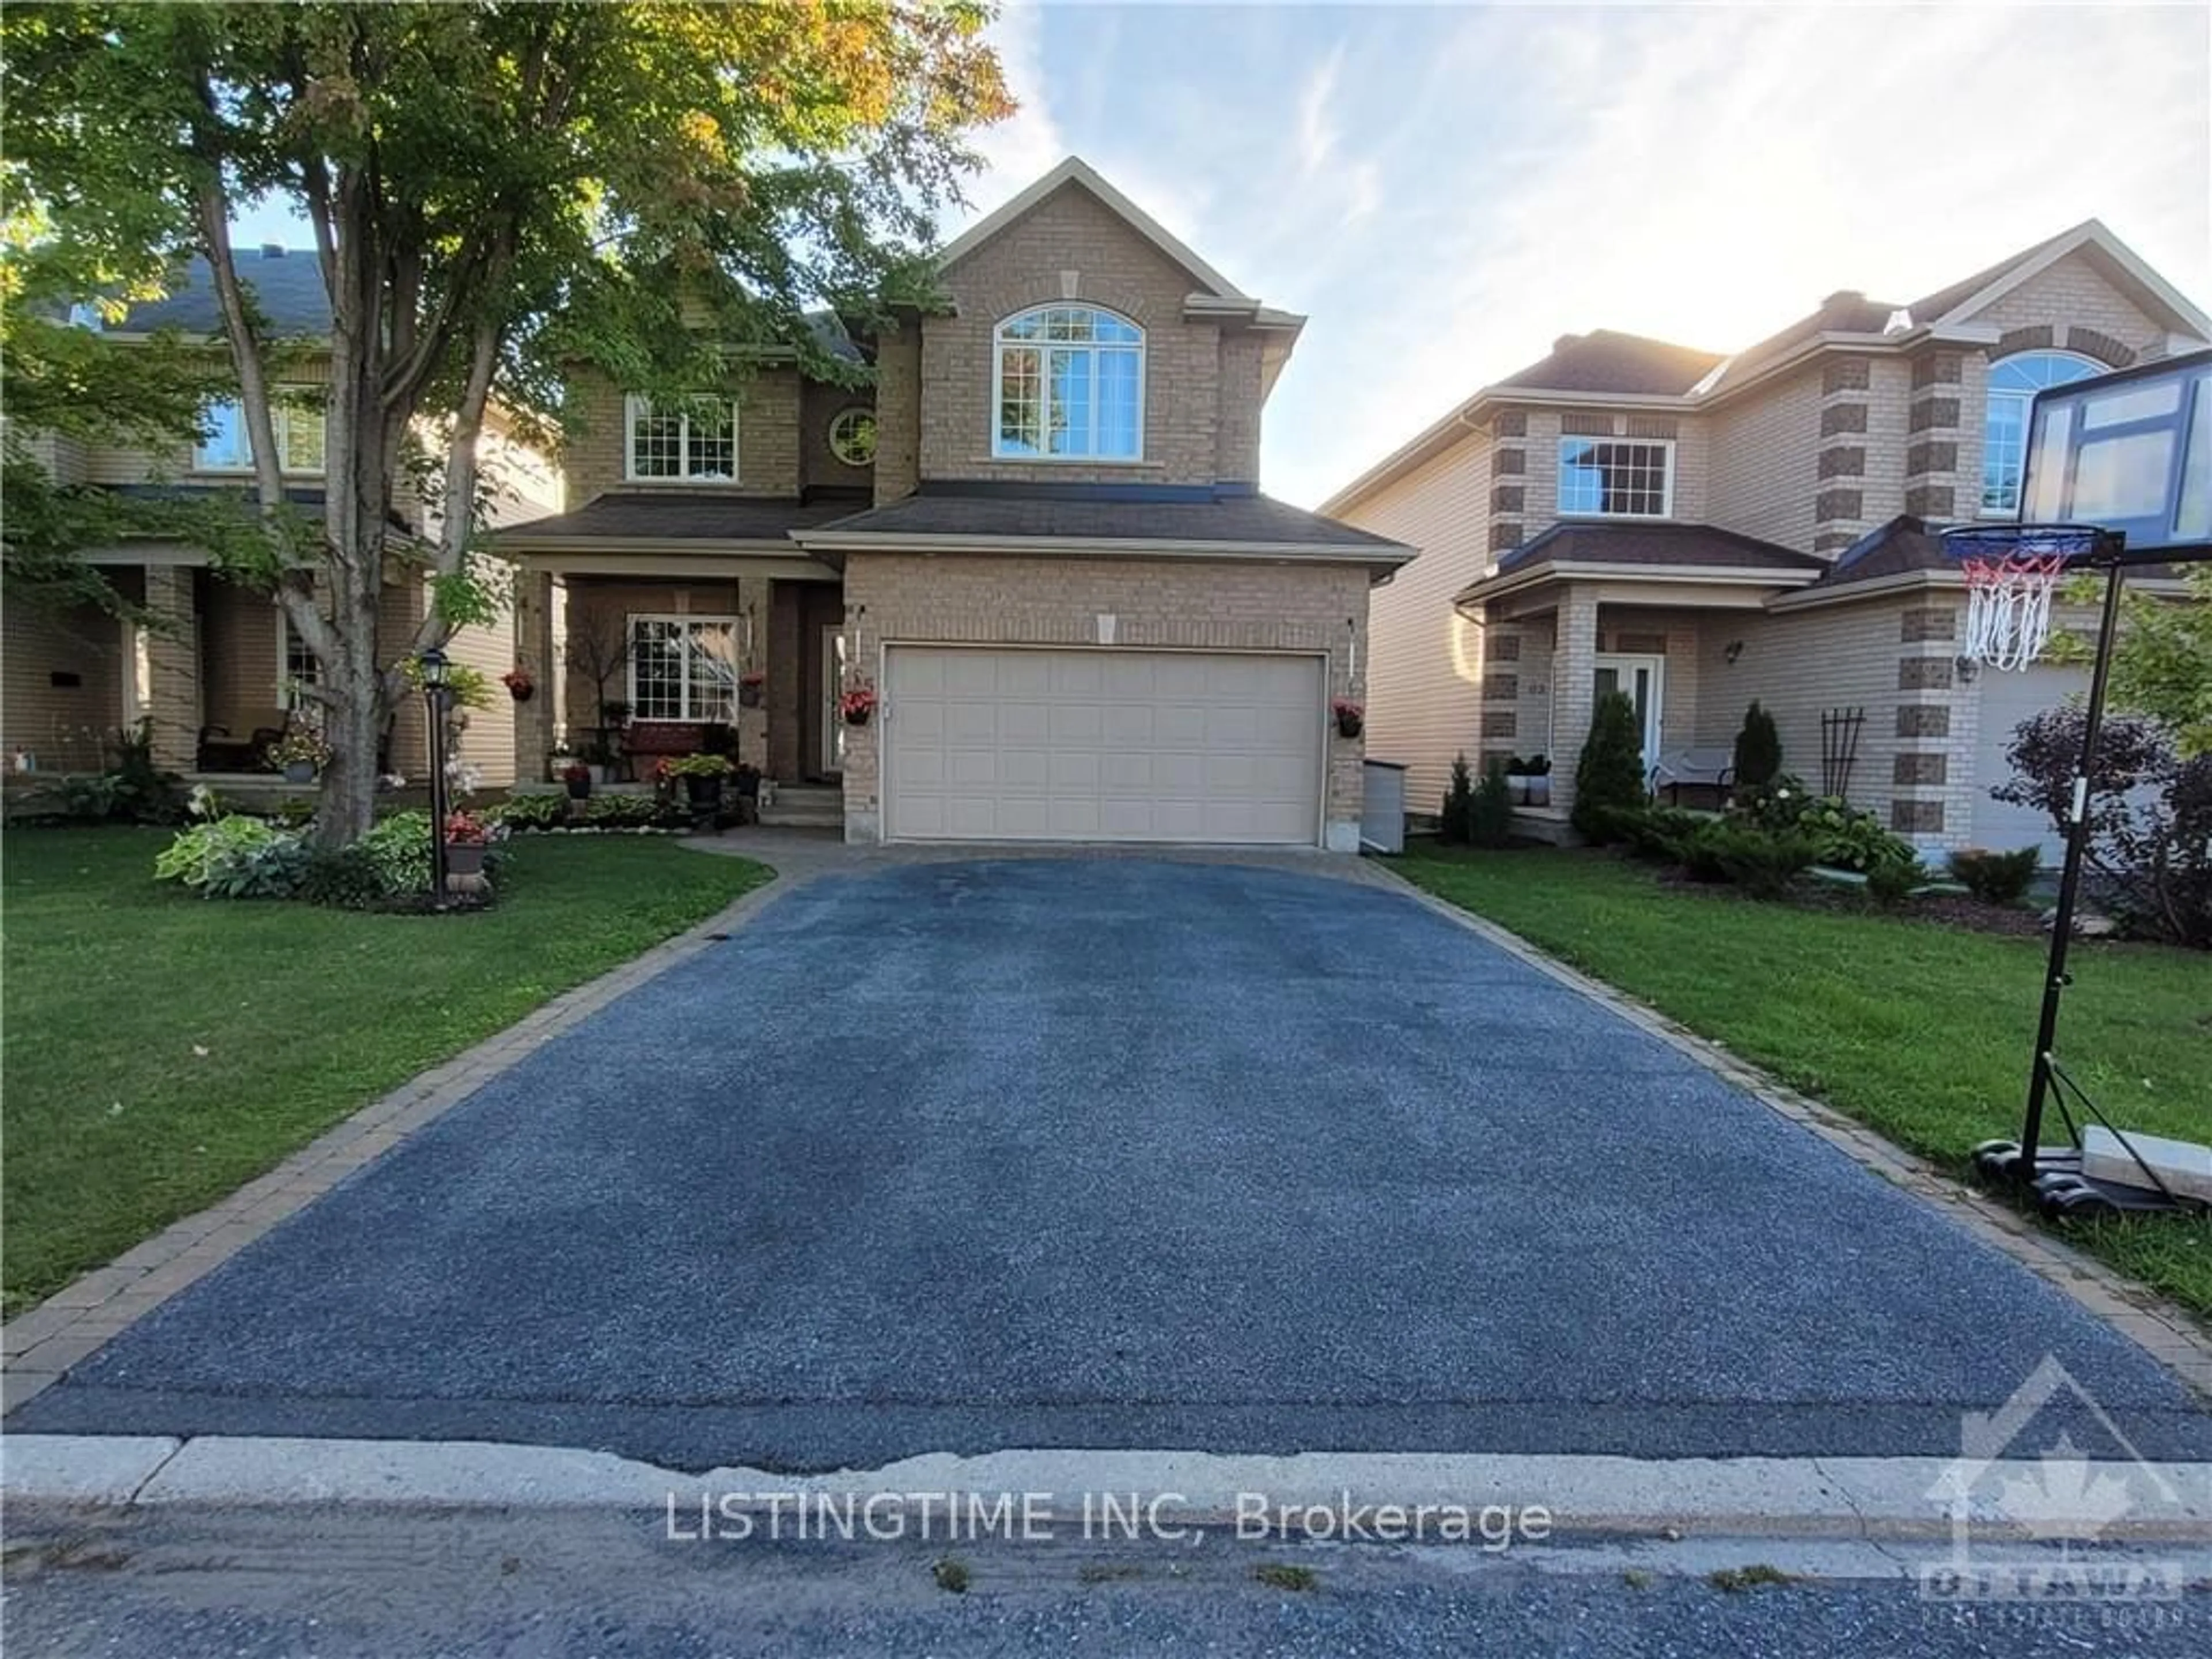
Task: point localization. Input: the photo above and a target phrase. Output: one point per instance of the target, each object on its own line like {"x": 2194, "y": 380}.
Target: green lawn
{"x": 160, "y": 1049}
{"x": 1922, "y": 1031}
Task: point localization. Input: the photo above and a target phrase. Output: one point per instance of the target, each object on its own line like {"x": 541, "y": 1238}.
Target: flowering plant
{"x": 694, "y": 766}
{"x": 518, "y": 681}
{"x": 755, "y": 678}
{"x": 1345, "y": 708}
{"x": 575, "y": 772}
{"x": 857, "y": 703}
{"x": 464, "y": 829}
{"x": 300, "y": 743}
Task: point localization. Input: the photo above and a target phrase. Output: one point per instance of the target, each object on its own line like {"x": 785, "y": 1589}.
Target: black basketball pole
{"x": 2070, "y": 879}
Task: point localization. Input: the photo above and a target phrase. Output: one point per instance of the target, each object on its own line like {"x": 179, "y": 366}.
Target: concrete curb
{"x": 1868, "y": 1498}
{"x": 2163, "y": 1330}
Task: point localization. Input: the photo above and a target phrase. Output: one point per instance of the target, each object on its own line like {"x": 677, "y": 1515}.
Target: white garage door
{"x": 2007, "y": 700}
{"x": 1010, "y": 745}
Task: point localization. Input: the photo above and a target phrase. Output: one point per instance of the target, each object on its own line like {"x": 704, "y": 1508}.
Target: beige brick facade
{"x": 1201, "y": 381}
{"x": 1156, "y": 604}
{"x": 594, "y": 451}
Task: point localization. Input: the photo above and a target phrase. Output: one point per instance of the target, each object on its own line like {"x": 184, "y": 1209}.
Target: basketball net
{"x": 2009, "y": 606}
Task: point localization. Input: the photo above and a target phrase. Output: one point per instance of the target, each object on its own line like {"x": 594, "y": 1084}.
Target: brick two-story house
{"x": 1702, "y": 530}
{"x": 1038, "y": 538}
{"x": 214, "y": 680}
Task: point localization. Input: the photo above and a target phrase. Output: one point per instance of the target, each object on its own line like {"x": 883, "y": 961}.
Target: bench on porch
{"x": 655, "y": 740}
{"x": 1706, "y": 769}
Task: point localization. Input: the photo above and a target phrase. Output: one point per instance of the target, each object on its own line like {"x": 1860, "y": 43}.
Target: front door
{"x": 1642, "y": 678}
{"x": 835, "y": 661}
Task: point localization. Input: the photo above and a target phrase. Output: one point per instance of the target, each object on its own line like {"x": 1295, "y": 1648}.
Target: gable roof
{"x": 1605, "y": 359}
{"x": 1076, "y": 172}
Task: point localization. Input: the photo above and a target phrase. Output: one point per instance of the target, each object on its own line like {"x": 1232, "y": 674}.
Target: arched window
{"x": 2013, "y": 382}
{"x": 1070, "y": 383}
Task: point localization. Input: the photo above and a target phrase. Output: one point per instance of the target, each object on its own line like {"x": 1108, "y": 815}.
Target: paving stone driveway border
{"x": 43, "y": 1343}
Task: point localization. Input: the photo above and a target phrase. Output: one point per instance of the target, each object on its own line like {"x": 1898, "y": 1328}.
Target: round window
{"x": 852, "y": 436}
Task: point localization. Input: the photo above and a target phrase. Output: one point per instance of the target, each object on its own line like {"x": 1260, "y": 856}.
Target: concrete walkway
{"x": 959, "y": 1156}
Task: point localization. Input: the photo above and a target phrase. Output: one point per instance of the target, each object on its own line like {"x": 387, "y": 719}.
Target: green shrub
{"x": 1610, "y": 774}
{"x": 1843, "y": 836}
{"x": 1456, "y": 822}
{"x": 234, "y": 858}
{"x": 1893, "y": 882}
{"x": 1492, "y": 821}
{"x": 1997, "y": 877}
{"x": 1763, "y": 865}
{"x": 1656, "y": 833}
{"x": 1757, "y": 750}
{"x": 634, "y": 812}
{"x": 529, "y": 812}
{"x": 398, "y": 849}
{"x": 131, "y": 789}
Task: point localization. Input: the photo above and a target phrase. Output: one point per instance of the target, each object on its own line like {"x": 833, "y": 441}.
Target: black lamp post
{"x": 434, "y": 695}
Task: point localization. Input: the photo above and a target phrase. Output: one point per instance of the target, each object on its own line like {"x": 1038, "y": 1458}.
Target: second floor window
{"x": 1615, "y": 478}
{"x": 226, "y": 448}
{"x": 2013, "y": 382}
{"x": 1071, "y": 382}
{"x": 695, "y": 438}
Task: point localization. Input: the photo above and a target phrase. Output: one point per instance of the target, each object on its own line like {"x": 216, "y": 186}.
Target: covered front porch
{"x": 1664, "y": 618}
{"x": 654, "y": 643}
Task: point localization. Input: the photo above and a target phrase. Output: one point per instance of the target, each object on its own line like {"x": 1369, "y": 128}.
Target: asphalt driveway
{"x": 1110, "y": 1153}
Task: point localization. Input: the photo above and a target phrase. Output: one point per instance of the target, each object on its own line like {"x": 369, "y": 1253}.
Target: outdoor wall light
{"x": 1734, "y": 650}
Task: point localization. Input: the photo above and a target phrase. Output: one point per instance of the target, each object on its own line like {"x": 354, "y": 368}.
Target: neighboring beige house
{"x": 1702, "y": 530}
{"x": 214, "y": 685}
{"x": 1039, "y": 542}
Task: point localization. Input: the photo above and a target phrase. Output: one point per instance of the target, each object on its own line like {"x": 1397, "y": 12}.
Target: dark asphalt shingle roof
{"x": 1097, "y": 515}
{"x": 1905, "y": 544}
{"x": 1607, "y": 360}
{"x": 287, "y": 287}
{"x": 1655, "y": 544}
{"x": 678, "y": 515}
{"x": 1839, "y": 313}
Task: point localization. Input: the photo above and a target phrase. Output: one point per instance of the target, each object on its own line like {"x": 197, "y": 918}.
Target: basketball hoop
{"x": 2012, "y": 573}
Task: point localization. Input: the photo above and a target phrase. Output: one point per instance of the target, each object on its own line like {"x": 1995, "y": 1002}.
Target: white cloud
{"x": 1706, "y": 176}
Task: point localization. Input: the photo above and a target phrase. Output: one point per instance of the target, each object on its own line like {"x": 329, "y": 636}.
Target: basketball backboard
{"x": 2130, "y": 452}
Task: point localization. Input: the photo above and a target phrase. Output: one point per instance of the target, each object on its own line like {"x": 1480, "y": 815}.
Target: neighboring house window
{"x": 2013, "y": 382}
{"x": 295, "y": 662}
{"x": 1610, "y": 478}
{"x": 697, "y": 440}
{"x": 683, "y": 668}
{"x": 1071, "y": 383}
{"x": 226, "y": 448}
{"x": 852, "y": 436}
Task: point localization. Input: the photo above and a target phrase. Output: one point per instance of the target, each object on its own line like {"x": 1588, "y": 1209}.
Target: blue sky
{"x": 1445, "y": 188}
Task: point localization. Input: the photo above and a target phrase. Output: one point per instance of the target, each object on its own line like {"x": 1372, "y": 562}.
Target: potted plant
{"x": 465, "y": 844}
{"x": 520, "y": 685}
{"x": 858, "y": 704}
{"x": 703, "y": 776}
{"x": 298, "y": 754}
{"x": 578, "y": 777}
{"x": 1539, "y": 779}
{"x": 1516, "y": 779}
{"x": 750, "y": 687}
{"x": 1350, "y": 718}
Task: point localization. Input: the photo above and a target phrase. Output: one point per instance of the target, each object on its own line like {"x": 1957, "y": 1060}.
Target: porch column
{"x": 754, "y": 601}
{"x": 172, "y": 659}
{"x": 533, "y": 653}
{"x": 1574, "y": 673}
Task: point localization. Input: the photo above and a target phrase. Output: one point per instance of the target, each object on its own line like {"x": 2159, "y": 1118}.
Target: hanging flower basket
{"x": 1350, "y": 718}
{"x": 518, "y": 683}
{"x": 858, "y": 705}
{"x": 749, "y": 688}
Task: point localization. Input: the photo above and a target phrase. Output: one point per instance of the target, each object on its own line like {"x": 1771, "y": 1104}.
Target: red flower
{"x": 464, "y": 829}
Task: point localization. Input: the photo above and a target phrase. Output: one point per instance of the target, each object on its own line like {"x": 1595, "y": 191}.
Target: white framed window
{"x": 1616, "y": 477}
{"x": 297, "y": 664}
{"x": 2013, "y": 382}
{"x": 852, "y": 436}
{"x": 1070, "y": 383}
{"x": 684, "y": 668}
{"x": 300, "y": 432}
{"x": 695, "y": 439}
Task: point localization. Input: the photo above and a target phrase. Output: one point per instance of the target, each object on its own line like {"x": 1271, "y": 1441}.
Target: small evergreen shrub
{"x": 1893, "y": 882}
{"x": 1609, "y": 776}
{"x": 1491, "y": 822}
{"x": 1656, "y": 833}
{"x": 1997, "y": 877}
{"x": 1456, "y": 822}
{"x": 1762, "y": 865}
{"x": 1757, "y": 750}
